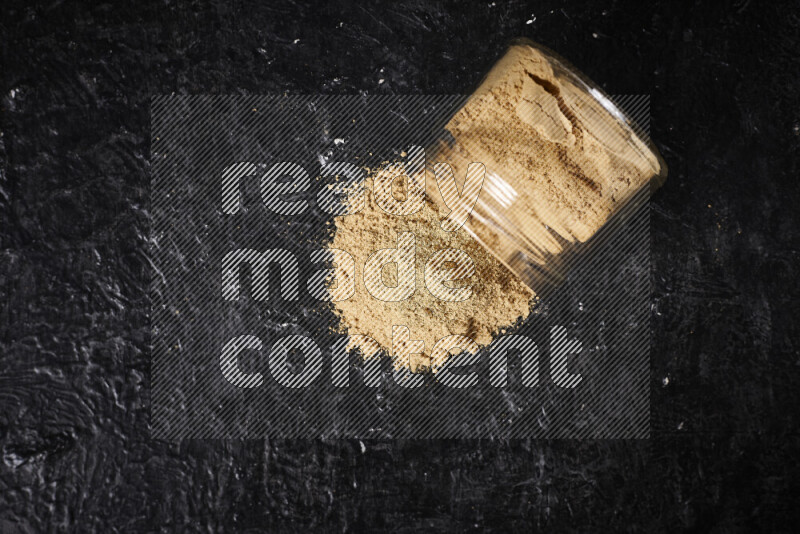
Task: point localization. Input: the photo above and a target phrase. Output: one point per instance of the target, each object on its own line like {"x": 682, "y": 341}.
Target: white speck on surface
{"x": 338, "y": 141}
{"x": 594, "y": 34}
{"x": 665, "y": 381}
{"x": 296, "y": 41}
{"x": 13, "y": 460}
{"x": 363, "y": 447}
{"x": 380, "y": 81}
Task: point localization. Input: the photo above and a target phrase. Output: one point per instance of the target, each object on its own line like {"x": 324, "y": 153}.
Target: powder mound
{"x": 497, "y": 301}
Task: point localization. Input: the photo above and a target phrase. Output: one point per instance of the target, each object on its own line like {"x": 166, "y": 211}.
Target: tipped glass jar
{"x": 561, "y": 160}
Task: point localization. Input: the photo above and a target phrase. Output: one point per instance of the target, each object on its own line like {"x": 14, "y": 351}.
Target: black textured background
{"x": 74, "y": 369}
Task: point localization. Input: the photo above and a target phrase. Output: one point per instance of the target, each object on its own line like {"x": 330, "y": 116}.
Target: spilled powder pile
{"x": 498, "y": 297}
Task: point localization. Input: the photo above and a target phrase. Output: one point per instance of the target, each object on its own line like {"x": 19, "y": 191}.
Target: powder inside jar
{"x": 557, "y": 144}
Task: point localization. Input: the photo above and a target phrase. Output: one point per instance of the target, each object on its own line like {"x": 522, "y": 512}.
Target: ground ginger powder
{"x": 558, "y": 163}
{"x": 570, "y": 161}
{"x": 498, "y": 298}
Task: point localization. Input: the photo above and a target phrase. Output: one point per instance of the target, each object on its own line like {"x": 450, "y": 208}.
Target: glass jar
{"x": 560, "y": 159}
